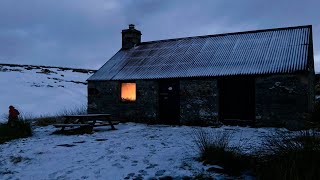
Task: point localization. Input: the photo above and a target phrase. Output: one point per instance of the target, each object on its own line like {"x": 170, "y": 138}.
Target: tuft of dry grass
{"x": 214, "y": 148}
{"x": 290, "y": 156}
{"x": 45, "y": 120}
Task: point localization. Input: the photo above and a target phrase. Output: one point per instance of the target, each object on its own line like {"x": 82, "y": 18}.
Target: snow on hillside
{"x": 40, "y": 90}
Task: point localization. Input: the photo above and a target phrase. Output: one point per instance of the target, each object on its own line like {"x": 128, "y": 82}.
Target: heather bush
{"x": 21, "y": 129}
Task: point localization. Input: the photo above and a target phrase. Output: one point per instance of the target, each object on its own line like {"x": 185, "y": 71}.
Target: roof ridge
{"x": 231, "y": 33}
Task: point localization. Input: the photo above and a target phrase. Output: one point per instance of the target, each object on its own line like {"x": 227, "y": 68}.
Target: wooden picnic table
{"x": 89, "y": 120}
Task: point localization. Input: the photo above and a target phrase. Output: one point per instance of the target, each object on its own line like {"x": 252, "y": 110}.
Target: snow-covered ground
{"x": 132, "y": 151}
{"x": 37, "y": 90}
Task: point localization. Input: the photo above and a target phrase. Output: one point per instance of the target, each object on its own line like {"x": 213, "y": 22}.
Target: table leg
{"x": 112, "y": 127}
{"x": 66, "y": 120}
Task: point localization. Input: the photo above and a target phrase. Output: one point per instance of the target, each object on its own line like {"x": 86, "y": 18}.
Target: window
{"x": 128, "y": 92}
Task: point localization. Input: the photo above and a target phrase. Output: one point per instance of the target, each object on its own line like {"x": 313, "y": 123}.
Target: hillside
{"x": 41, "y": 90}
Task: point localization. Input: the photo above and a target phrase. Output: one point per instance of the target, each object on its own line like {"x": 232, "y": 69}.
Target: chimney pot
{"x": 131, "y": 26}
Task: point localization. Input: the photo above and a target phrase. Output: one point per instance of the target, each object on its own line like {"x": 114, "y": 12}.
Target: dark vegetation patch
{"x": 214, "y": 149}
{"x": 18, "y": 159}
{"x": 290, "y": 157}
{"x": 6, "y": 171}
{"x": 21, "y": 129}
{"x": 57, "y": 79}
{"x": 29, "y": 67}
{"x": 78, "y": 82}
{"x": 8, "y": 70}
{"x": 46, "y": 71}
{"x": 36, "y": 85}
{"x": 284, "y": 155}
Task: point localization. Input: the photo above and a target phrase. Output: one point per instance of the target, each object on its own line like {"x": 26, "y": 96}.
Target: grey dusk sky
{"x": 86, "y": 33}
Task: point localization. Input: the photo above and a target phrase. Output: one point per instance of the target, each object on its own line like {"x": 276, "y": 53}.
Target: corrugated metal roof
{"x": 282, "y": 50}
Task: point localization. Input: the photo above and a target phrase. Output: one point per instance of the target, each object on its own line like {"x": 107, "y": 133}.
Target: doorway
{"x": 237, "y": 100}
{"x": 169, "y": 101}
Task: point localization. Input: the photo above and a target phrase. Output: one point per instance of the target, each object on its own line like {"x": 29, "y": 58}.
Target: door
{"x": 169, "y": 102}
{"x": 237, "y": 99}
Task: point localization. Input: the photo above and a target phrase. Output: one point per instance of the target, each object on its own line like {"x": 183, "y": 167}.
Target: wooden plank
{"x": 105, "y": 124}
{"x": 70, "y": 125}
{"x": 102, "y": 122}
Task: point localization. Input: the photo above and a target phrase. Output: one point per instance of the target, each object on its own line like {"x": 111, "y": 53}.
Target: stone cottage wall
{"x": 282, "y": 100}
{"x": 107, "y": 100}
{"x": 198, "y": 101}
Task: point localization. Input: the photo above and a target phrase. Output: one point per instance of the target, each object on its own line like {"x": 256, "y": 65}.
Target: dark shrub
{"x": 214, "y": 149}
{"x": 21, "y": 129}
{"x": 290, "y": 157}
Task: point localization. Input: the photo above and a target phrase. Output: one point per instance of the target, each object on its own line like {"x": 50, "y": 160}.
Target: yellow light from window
{"x": 128, "y": 91}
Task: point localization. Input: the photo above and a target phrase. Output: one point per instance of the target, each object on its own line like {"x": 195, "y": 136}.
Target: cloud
{"x": 81, "y": 33}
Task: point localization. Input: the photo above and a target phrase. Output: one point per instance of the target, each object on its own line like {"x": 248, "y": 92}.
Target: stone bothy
{"x": 261, "y": 77}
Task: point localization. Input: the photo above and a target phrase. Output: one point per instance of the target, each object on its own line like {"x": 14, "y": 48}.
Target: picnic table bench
{"x": 87, "y": 120}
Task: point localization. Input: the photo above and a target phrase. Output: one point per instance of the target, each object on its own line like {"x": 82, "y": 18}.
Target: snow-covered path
{"x": 132, "y": 151}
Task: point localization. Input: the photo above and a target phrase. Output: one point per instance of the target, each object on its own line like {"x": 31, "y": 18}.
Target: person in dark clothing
{"x": 13, "y": 116}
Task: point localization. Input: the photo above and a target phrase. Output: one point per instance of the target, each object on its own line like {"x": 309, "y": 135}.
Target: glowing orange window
{"x": 128, "y": 92}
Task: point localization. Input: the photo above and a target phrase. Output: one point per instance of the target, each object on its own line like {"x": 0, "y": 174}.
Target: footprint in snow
{"x": 124, "y": 157}
{"x": 129, "y": 148}
{"x": 129, "y": 175}
{"x": 134, "y": 163}
{"x": 52, "y": 175}
{"x": 151, "y": 166}
{"x": 138, "y": 177}
{"x": 118, "y": 165}
{"x": 110, "y": 151}
{"x": 66, "y": 145}
{"x": 146, "y": 161}
{"x": 160, "y": 172}
{"x": 145, "y": 145}
{"x": 143, "y": 172}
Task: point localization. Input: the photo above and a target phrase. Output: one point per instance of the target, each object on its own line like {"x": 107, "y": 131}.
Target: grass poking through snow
{"x": 215, "y": 149}
{"x": 290, "y": 156}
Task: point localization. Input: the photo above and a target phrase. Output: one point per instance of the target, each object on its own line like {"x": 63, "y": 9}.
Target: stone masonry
{"x": 281, "y": 100}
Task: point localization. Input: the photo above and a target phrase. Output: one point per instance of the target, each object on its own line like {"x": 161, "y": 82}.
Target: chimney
{"x": 130, "y": 37}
